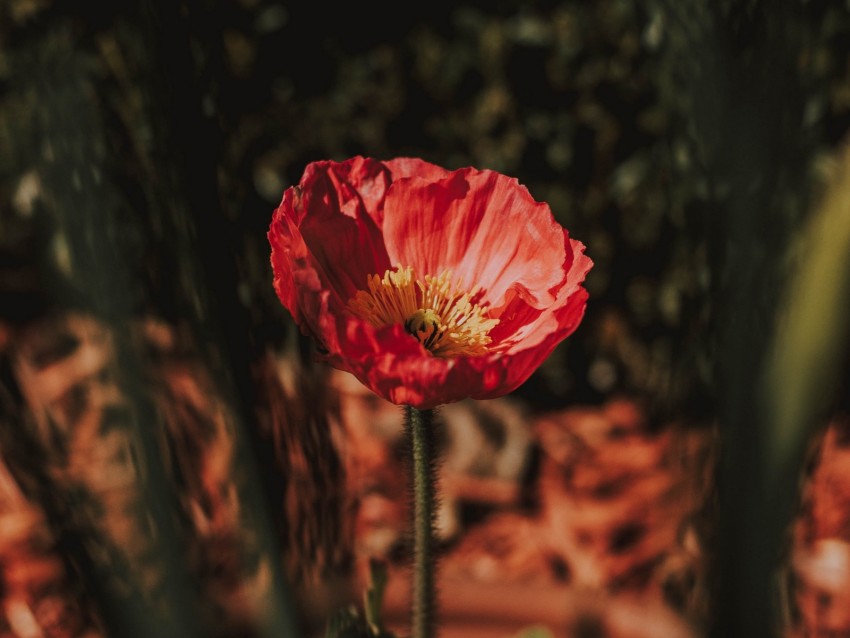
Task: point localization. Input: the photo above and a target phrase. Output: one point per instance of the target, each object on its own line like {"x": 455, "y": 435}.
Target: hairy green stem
{"x": 419, "y": 427}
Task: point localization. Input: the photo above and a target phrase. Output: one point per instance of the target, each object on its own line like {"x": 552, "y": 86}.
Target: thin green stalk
{"x": 419, "y": 427}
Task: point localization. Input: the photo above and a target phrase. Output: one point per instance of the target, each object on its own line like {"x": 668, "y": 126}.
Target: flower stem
{"x": 419, "y": 427}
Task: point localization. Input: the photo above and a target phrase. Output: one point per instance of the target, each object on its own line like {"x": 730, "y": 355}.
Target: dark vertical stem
{"x": 419, "y": 426}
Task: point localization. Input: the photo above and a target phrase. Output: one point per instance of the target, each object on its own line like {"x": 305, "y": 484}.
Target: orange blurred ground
{"x": 588, "y": 522}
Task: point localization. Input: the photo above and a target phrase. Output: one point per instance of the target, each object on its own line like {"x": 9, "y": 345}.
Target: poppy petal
{"x": 483, "y": 226}
{"x": 415, "y": 167}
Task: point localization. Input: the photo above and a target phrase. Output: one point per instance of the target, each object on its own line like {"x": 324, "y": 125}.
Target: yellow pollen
{"x": 434, "y": 310}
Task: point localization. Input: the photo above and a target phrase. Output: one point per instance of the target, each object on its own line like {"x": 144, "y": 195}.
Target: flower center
{"x": 435, "y": 310}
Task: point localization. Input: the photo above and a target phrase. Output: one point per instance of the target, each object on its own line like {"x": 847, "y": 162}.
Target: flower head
{"x": 428, "y": 285}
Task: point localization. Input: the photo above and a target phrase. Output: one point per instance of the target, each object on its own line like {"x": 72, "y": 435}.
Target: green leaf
{"x": 348, "y": 623}
{"x": 373, "y": 599}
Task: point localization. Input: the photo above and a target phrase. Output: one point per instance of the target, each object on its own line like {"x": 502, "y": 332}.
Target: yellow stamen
{"x": 435, "y": 310}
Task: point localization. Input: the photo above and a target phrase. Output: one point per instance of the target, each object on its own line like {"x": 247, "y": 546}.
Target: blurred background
{"x": 176, "y": 463}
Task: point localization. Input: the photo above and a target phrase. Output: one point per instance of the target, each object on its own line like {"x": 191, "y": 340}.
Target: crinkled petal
{"x": 289, "y": 257}
{"x": 523, "y": 325}
{"x": 359, "y": 185}
{"x": 390, "y": 362}
{"x": 503, "y": 374}
{"x": 341, "y": 208}
{"x": 484, "y": 227}
{"x": 415, "y": 167}
{"x": 325, "y": 235}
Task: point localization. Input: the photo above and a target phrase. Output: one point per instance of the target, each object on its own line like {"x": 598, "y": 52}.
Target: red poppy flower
{"x": 428, "y": 285}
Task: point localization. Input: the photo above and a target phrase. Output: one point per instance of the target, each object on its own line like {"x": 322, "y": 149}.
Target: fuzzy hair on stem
{"x": 421, "y": 439}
